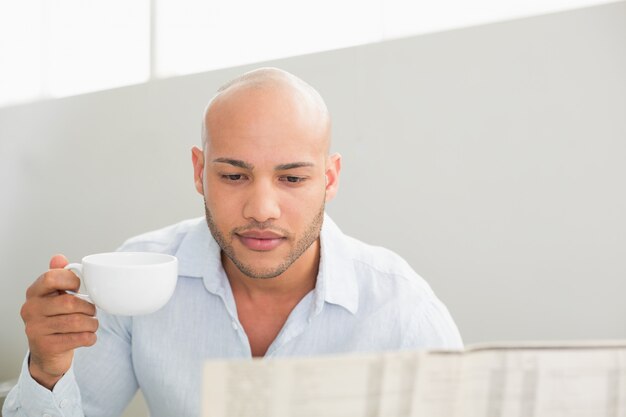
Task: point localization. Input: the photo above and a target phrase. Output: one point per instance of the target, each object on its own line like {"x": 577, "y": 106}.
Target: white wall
{"x": 492, "y": 158}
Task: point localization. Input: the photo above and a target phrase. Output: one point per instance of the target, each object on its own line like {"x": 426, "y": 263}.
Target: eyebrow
{"x": 245, "y": 165}
{"x": 235, "y": 162}
{"x": 293, "y": 165}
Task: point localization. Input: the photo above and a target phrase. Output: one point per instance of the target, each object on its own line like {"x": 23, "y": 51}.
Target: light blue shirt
{"x": 366, "y": 299}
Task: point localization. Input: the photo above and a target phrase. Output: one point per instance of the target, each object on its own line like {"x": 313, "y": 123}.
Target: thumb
{"x": 58, "y": 261}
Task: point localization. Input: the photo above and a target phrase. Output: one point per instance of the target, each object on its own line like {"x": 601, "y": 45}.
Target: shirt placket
{"x": 295, "y": 325}
{"x": 226, "y": 295}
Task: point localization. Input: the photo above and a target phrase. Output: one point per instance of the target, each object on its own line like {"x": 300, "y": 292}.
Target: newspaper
{"x": 532, "y": 379}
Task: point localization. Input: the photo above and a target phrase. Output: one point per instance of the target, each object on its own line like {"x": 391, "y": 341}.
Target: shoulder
{"x": 164, "y": 240}
{"x": 387, "y": 269}
{"x": 391, "y": 289}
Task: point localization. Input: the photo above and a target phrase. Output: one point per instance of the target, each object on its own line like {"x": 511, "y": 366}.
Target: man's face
{"x": 265, "y": 187}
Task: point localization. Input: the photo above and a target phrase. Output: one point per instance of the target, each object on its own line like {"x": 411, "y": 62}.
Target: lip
{"x": 260, "y": 241}
{"x": 259, "y": 234}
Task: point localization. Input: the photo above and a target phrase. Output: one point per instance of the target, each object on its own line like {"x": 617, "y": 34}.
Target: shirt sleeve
{"x": 433, "y": 328}
{"x": 28, "y": 398}
{"x": 104, "y": 373}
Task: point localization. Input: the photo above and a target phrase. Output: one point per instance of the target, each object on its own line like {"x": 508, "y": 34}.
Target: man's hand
{"x": 56, "y": 322}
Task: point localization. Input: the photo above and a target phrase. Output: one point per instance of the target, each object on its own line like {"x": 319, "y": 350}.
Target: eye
{"x": 292, "y": 179}
{"x": 233, "y": 177}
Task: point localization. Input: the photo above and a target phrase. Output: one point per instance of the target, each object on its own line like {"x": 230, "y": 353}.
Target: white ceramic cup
{"x": 127, "y": 283}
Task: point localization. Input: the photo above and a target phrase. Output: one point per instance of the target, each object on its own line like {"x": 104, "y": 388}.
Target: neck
{"x": 297, "y": 281}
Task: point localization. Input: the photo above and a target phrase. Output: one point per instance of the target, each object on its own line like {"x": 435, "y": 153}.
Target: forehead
{"x": 274, "y": 124}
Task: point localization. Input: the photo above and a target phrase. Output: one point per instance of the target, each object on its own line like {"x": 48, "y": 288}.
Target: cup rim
{"x": 162, "y": 259}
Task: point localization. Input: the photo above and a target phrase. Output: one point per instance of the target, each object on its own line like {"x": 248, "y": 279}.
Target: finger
{"x": 58, "y": 261}
{"x": 64, "y": 304}
{"x": 52, "y": 281}
{"x": 36, "y": 308}
{"x": 63, "y": 323}
{"x": 64, "y": 342}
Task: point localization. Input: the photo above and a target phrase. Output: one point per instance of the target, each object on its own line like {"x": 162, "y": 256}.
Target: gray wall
{"x": 492, "y": 158}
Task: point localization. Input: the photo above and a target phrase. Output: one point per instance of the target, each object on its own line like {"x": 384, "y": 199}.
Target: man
{"x": 274, "y": 277}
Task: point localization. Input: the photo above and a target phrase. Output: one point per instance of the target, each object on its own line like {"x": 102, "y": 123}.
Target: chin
{"x": 262, "y": 273}
{"x": 262, "y": 268}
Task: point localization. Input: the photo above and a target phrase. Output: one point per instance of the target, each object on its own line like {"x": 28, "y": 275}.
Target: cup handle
{"x": 78, "y": 270}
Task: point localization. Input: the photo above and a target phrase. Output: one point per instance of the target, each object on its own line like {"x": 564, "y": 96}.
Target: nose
{"x": 262, "y": 203}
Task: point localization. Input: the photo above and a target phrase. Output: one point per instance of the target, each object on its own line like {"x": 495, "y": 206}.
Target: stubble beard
{"x": 309, "y": 237}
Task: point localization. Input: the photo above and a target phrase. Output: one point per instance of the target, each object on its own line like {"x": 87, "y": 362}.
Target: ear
{"x": 333, "y": 167}
{"x": 197, "y": 157}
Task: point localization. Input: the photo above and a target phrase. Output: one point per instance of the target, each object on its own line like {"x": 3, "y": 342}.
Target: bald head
{"x": 275, "y": 90}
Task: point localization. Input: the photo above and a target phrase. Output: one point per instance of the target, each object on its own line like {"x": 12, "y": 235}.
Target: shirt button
{"x": 63, "y": 403}
{"x": 235, "y": 325}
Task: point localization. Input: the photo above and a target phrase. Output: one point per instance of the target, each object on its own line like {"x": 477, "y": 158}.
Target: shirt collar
{"x": 336, "y": 279}
{"x": 199, "y": 256}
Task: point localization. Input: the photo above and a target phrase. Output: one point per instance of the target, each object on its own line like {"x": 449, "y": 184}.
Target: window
{"x": 197, "y": 35}
{"x": 55, "y": 48}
